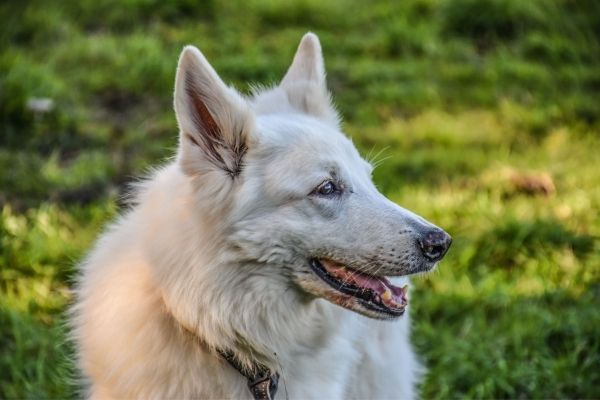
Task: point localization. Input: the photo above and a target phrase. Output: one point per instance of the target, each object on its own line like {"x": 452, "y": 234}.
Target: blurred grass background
{"x": 485, "y": 113}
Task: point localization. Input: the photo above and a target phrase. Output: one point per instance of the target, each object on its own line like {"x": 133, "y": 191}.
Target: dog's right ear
{"x": 214, "y": 120}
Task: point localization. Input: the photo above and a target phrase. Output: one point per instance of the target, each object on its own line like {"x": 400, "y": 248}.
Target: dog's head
{"x": 290, "y": 191}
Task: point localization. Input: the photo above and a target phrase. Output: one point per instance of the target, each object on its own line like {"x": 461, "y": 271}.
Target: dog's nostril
{"x": 434, "y": 244}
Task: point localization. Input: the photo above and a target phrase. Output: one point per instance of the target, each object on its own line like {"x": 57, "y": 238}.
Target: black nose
{"x": 434, "y": 244}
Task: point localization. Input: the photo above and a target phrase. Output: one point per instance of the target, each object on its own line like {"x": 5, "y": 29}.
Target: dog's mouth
{"x": 373, "y": 296}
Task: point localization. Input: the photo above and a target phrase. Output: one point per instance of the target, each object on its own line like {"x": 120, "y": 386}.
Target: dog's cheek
{"x": 261, "y": 243}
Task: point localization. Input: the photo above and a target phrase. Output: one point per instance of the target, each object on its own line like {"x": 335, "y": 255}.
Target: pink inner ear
{"x": 207, "y": 135}
{"x": 209, "y": 132}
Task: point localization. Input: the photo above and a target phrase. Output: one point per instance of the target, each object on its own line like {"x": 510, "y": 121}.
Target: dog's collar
{"x": 262, "y": 382}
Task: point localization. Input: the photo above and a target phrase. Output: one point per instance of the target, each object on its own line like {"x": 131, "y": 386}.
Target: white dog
{"x": 233, "y": 274}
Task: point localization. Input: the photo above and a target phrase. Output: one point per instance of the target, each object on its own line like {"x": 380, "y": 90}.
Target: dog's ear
{"x": 214, "y": 120}
{"x": 304, "y": 83}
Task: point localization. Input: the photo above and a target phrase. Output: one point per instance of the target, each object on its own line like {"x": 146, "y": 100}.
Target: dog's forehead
{"x": 308, "y": 139}
{"x": 294, "y": 154}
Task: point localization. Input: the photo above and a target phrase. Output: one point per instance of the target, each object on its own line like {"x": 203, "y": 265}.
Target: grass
{"x": 464, "y": 100}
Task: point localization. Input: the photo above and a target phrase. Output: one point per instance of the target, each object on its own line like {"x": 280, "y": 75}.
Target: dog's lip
{"x": 373, "y": 292}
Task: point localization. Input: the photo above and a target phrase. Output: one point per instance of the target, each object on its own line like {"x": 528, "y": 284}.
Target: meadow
{"x": 483, "y": 115}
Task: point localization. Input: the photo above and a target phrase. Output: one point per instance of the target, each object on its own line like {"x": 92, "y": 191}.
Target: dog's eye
{"x": 326, "y": 188}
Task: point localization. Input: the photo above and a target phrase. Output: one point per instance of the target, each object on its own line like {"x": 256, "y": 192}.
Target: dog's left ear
{"x": 215, "y": 122}
{"x": 304, "y": 83}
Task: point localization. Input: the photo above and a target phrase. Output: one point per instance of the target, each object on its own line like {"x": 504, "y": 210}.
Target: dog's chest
{"x": 324, "y": 372}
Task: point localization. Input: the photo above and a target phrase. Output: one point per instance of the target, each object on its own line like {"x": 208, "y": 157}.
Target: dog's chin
{"x": 369, "y": 295}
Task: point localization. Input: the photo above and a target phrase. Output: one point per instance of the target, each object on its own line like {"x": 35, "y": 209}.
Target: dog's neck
{"x": 269, "y": 319}
{"x": 262, "y": 381}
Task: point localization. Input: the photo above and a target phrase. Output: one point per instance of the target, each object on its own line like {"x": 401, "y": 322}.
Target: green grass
{"x": 462, "y": 99}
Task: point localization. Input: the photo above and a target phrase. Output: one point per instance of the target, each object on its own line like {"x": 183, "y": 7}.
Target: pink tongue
{"x": 392, "y": 296}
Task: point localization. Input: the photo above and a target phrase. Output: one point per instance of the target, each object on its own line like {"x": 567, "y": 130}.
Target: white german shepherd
{"x": 233, "y": 273}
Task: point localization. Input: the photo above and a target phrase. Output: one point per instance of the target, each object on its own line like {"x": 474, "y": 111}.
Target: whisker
{"x": 375, "y": 161}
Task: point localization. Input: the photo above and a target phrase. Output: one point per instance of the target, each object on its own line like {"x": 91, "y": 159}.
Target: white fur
{"x": 212, "y": 255}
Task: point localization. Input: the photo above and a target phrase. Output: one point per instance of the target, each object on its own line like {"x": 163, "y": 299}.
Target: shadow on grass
{"x": 504, "y": 244}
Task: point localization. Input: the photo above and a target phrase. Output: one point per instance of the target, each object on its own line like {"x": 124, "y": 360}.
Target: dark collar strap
{"x": 261, "y": 381}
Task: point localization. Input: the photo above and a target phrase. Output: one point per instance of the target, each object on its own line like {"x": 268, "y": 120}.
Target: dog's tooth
{"x": 387, "y": 295}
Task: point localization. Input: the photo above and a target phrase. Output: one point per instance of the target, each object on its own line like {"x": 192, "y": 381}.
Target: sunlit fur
{"x": 208, "y": 258}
